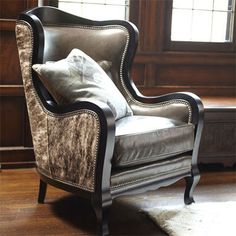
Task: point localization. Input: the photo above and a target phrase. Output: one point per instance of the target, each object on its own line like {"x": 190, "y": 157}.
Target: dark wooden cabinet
{"x": 218, "y": 143}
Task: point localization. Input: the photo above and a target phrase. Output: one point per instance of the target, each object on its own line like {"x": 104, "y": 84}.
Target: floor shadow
{"x": 76, "y": 212}
{"x": 125, "y": 216}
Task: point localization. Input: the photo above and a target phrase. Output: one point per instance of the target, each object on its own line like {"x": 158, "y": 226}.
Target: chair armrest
{"x": 80, "y": 142}
{"x": 195, "y": 113}
{"x": 183, "y": 106}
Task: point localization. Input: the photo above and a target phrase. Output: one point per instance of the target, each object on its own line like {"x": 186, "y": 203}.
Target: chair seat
{"x": 145, "y": 139}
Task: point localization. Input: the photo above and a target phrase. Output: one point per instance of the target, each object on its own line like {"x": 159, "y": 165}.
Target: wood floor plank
{"x": 65, "y": 214}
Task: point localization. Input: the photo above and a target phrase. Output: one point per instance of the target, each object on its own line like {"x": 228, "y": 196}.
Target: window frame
{"x": 191, "y": 45}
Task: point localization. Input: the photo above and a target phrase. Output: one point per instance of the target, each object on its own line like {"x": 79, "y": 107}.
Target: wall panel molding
{"x": 11, "y": 90}
{"x": 190, "y": 58}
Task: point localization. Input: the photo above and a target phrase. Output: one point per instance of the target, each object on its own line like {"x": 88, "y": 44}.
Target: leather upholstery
{"x": 145, "y": 139}
{"x": 106, "y": 43}
{"x": 176, "y": 109}
{"x": 100, "y": 43}
{"x": 124, "y": 178}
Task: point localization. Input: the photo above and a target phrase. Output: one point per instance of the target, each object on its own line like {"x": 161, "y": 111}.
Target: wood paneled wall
{"x": 158, "y": 68}
{"x": 15, "y": 139}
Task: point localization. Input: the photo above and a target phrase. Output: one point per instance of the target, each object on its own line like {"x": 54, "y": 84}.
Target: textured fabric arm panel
{"x": 73, "y": 147}
{"x": 65, "y": 145}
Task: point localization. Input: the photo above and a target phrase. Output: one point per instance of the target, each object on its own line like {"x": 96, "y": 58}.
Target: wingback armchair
{"x": 83, "y": 146}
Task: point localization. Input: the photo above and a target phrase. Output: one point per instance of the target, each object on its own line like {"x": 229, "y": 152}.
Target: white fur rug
{"x": 197, "y": 219}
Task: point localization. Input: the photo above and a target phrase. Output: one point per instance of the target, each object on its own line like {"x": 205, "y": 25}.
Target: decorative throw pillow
{"x": 79, "y": 78}
{"x": 106, "y": 65}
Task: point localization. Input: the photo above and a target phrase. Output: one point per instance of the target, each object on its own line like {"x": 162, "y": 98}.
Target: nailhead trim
{"x": 170, "y": 102}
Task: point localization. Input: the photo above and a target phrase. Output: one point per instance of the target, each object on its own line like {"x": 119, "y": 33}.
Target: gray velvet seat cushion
{"x": 145, "y": 139}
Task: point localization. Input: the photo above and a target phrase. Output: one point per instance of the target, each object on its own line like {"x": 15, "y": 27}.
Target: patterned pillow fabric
{"x": 106, "y": 65}
{"x": 79, "y": 78}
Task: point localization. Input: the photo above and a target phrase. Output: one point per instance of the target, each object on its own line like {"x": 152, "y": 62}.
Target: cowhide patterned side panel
{"x": 73, "y": 148}
{"x": 37, "y": 117}
{"x": 65, "y": 146}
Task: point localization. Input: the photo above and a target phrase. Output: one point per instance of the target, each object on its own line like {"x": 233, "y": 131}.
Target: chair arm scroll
{"x": 184, "y": 106}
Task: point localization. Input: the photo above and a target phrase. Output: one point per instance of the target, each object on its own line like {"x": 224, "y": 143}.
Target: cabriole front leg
{"x": 191, "y": 182}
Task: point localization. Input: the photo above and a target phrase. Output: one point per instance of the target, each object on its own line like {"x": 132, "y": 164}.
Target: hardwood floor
{"x": 65, "y": 214}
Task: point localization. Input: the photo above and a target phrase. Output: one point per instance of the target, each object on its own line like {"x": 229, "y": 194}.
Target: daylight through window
{"x": 202, "y": 20}
{"x": 97, "y": 9}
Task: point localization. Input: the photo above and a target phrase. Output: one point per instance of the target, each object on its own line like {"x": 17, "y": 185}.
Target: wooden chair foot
{"x": 191, "y": 183}
{"x": 101, "y": 211}
{"x": 42, "y": 191}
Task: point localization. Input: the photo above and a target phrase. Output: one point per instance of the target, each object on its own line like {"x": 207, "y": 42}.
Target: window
{"x": 202, "y": 20}
{"x": 200, "y": 25}
{"x": 96, "y": 9}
